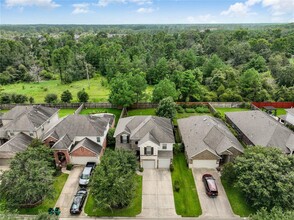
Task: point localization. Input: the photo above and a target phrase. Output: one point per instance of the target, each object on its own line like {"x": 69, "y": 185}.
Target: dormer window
{"x": 164, "y": 146}
{"x": 124, "y": 138}
{"x": 148, "y": 150}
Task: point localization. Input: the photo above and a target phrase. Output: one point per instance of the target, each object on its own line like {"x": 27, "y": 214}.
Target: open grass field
{"x": 131, "y": 211}
{"x": 38, "y": 91}
{"x": 224, "y": 110}
{"x": 186, "y": 200}
{"x": 237, "y": 200}
{"x": 48, "y": 203}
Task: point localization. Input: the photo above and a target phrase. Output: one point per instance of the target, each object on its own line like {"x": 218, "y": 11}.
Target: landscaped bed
{"x": 224, "y": 110}
{"x": 237, "y": 200}
{"x": 186, "y": 200}
{"x": 48, "y": 203}
{"x": 114, "y": 111}
{"x": 131, "y": 211}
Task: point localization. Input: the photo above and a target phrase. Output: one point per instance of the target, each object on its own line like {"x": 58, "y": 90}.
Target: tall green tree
{"x": 166, "y": 108}
{"x": 62, "y": 58}
{"x": 165, "y": 88}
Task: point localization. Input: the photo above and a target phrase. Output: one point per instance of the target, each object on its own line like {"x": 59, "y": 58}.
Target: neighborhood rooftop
{"x": 200, "y": 133}
{"x": 17, "y": 144}
{"x": 263, "y": 130}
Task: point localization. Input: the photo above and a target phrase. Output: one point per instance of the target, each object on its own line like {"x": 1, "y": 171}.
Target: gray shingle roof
{"x": 263, "y": 130}
{"x": 160, "y": 129}
{"x": 18, "y": 143}
{"x": 290, "y": 110}
{"x": 63, "y": 143}
{"x": 91, "y": 145}
{"x": 200, "y": 133}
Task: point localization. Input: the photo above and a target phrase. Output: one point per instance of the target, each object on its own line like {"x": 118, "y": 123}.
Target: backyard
{"x": 131, "y": 211}
{"x": 48, "y": 203}
{"x": 186, "y": 199}
{"x": 114, "y": 111}
{"x": 222, "y": 111}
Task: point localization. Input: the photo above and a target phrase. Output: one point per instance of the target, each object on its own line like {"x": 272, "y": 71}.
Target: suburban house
{"x": 208, "y": 141}
{"x": 150, "y": 137}
{"x": 78, "y": 139}
{"x": 20, "y": 125}
{"x": 258, "y": 128}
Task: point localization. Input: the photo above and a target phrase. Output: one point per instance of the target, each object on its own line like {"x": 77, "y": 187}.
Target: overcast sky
{"x": 145, "y": 11}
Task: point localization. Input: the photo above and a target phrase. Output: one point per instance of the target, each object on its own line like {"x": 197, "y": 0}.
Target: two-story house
{"x": 150, "y": 137}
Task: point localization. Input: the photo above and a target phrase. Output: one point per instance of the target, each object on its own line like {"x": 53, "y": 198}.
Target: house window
{"x": 98, "y": 139}
{"x": 124, "y": 139}
{"x": 136, "y": 142}
{"x": 148, "y": 151}
{"x": 164, "y": 146}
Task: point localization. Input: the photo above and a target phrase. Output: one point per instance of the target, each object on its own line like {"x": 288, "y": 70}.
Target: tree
{"x": 66, "y": 96}
{"x": 274, "y": 214}
{"x": 62, "y": 57}
{"x": 113, "y": 184}
{"x": 165, "y": 88}
{"x": 83, "y": 96}
{"x": 266, "y": 177}
{"x": 189, "y": 87}
{"x": 166, "y": 108}
{"x": 29, "y": 179}
{"x": 110, "y": 138}
{"x": 138, "y": 84}
{"x": 51, "y": 98}
{"x": 250, "y": 84}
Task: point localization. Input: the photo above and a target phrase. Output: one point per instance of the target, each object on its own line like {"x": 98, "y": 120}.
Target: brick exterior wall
{"x": 205, "y": 155}
{"x": 48, "y": 140}
{"x": 83, "y": 152}
{"x": 66, "y": 156}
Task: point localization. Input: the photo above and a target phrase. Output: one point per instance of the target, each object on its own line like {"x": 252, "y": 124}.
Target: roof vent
{"x": 204, "y": 119}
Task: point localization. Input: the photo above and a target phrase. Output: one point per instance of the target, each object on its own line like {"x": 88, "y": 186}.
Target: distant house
{"x": 208, "y": 142}
{"x": 150, "y": 137}
{"x": 20, "y": 125}
{"x": 258, "y": 128}
{"x": 289, "y": 118}
{"x": 78, "y": 139}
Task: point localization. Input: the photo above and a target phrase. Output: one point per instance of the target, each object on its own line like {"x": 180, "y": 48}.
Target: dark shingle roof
{"x": 261, "y": 129}
{"x": 200, "y": 133}
{"x": 18, "y": 143}
{"x": 63, "y": 143}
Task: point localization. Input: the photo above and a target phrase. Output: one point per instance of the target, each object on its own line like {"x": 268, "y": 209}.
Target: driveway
{"x": 212, "y": 207}
{"x": 69, "y": 190}
{"x": 157, "y": 195}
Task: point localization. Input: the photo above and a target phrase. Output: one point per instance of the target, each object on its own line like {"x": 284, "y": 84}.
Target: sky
{"x": 145, "y": 11}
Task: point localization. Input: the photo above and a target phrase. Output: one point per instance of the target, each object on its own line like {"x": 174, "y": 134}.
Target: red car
{"x": 210, "y": 185}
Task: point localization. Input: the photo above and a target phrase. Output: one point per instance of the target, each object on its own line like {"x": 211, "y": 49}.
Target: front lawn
{"x": 186, "y": 200}
{"x": 131, "y": 211}
{"x": 65, "y": 112}
{"x": 116, "y": 112}
{"x": 147, "y": 111}
{"x": 224, "y": 110}
{"x": 237, "y": 200}
{"x": 48, "y": 203}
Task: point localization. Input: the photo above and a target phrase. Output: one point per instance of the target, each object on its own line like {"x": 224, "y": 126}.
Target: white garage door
{"x": 83, "y": 160}
{"x": 148, "y": 164}
{"x": 4, "y": 162}
{"x": 205, "y": 164}
{"x": 163, "y": 163}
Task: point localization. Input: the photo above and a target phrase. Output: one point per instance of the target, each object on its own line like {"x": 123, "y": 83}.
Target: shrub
{"x": 180, "y": 109}
{"x": 31, "y": 100}
{"x": 18, "y": 98}
{"x": 5, "y": 98}
{"x": 245, "y": 105}
{"x": 66, "y": 96}
{"x": 176, "y": 186}
{"x": 171, "y": 167}
{"x": 217, "y": 114}
{"x": 51, "y": 98}
{"x": 190, "y": 110}
{"x": 83, "y": 96}
{"x": 228, "y": 173}
{"x": 141, "y": 169}
{"x": 178, "y": 148}
{"x": 69, "y": 166}
{"x": 202, "y": 109}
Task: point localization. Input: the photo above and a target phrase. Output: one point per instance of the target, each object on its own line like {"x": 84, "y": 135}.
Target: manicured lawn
{"x": 3, "y": 111}
{"x": 38, "y": 91}
{"x": 237, "y": 200}
{"x": 65, "y": 112}
{"x": 114, "y": 111}
{"x": 48, "y": 203}
{"x": 281, "y": 111}
{"x": 148, "y": 111}
{"x": 186, "y": 200}
{"x": 186, "y": 115}
{"x": 224, "y": 110}
{"x": 131, "y": 211}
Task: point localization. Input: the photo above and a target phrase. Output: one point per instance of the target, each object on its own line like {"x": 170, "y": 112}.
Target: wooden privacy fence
{"x": 274, "y": 104}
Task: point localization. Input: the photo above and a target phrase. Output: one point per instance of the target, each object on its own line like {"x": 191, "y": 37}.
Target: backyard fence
{"x": 274, "y": 104}
{"x": 79, "y": 109}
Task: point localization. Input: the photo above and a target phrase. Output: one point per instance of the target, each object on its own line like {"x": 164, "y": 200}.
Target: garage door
{"x": 148, "y": 164}
{"x": 205, "y": 164}
{"x": 83, "y": 160}
{"x": 163, "y": 163}
{"x": 4, "y": 162}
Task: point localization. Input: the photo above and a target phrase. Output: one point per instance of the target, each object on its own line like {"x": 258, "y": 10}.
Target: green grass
{"x": 48, "y": 203}
{"x": 224, "y": 110}
{"x": 148, "y": 111}
{"x": 186, "y": 200}
{"x": 186, "y": 115}
{"x": 237, "y": 200}
{"x": 3, "y": 111}
{"x": 131, "y": 211}
{"x": 281, "y": 111}
{"x": 65, "y": 112}
{"x": 114, "y": 111}
{"x": 38, "y": 91}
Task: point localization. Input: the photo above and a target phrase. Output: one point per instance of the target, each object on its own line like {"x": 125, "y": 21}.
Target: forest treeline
{"x": 247, "y": 64}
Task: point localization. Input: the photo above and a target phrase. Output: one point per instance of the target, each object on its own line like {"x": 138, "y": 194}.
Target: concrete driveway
{"x": 157, "y": 196}
{"x": 212, "y": 207}
{"x": 69, "y": 190}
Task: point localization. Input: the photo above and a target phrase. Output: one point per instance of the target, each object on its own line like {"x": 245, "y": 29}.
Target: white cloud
{"x": 276, "y": 7}
{"x": 104, "y": 3}
{"x": 81, "y": 8}
{"x": 204, "y": 19}
{"x": 39, "y": 3}
{"x": 145, "y": 10}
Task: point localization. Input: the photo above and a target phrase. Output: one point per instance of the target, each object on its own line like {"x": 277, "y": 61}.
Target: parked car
{"x": 210, "y": 185}
{"x": 78, "y": 201}
{"x": 87, "y": 172}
